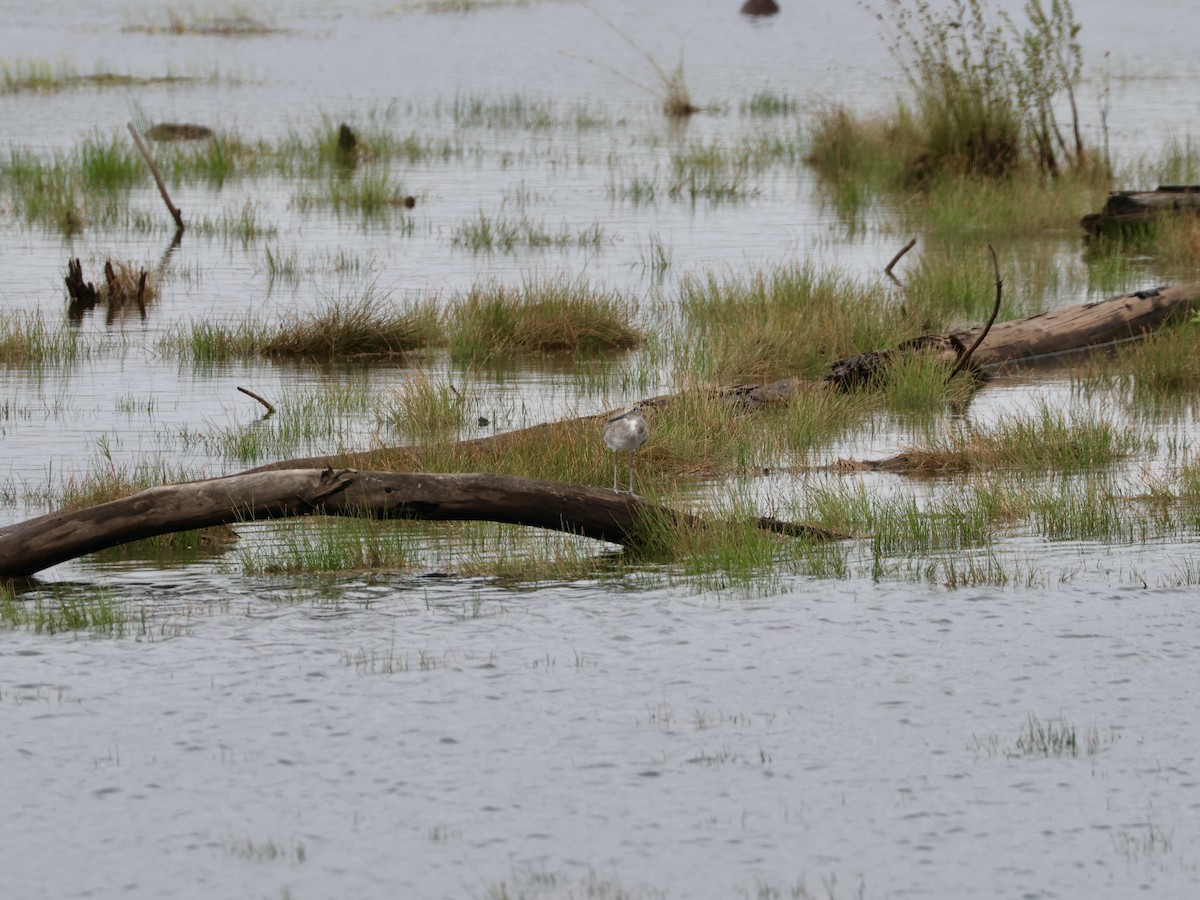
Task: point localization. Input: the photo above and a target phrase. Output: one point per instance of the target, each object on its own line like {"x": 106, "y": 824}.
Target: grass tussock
{"x": 368, "y": 325}
{"x": 371, "y": 324}
{"x": 544, "y": 316}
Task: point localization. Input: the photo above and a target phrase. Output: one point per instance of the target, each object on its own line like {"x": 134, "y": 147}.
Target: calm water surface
{"x": 430, "y": 737}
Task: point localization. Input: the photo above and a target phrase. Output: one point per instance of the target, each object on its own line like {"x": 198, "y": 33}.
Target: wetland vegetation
{"x": 467, "y": 279}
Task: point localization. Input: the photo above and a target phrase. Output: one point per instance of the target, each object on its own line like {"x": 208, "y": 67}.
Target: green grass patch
{"x": 370, "y": 324}
{"x": 766, "y": 103}
{"x": 540, "y": 316}
{"x": 26, "y": 339}
{"x": 482, "y": 233}
{"x": 42, "y": 77}
{"x": 1047, "y": 440}
{"x": 785, "y": 321}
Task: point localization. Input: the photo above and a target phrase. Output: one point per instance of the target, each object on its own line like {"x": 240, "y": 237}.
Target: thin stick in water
{"x": 887, "y": 270}
{"x": 162, "y": 188}
{"x": 966, "y": 357}
{"x": 262, "y": 400}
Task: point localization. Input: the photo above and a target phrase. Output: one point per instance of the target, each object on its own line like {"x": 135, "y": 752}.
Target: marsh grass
{"x": 785, "y": 321}
{"x": 1161, "y": 367}
{"x": 813, "y": 418}
{"x": 767, "y": 103}
{"x": 1054, "y": 737}
{"x": 68, "y": 609}
{"x": 328, "y": 545}
{"x": 26, "y": 339}
{"x": 705, "y": 173}
{"x": 65, "y": 190}
{"x": 230, "y": 21}
{"x": 540, "y": 316}
{"x": 1047, "y": 440}
{"x": 513, "y": 112}
{"x": 482, "y": 233}
{"x": 371, "y": 192}
{"x": 917, "y": 382}
{"x": 958, "y": 205}
{"x": 977, "y": 142}
{"x": 41, "y": 76}
{"x": 1171, "y": 241}
{"x": 368, "y": 324}
{"x": 425, "y": 410}
{"x": 898, "y": 525}
{"x": 1081, "y": 510}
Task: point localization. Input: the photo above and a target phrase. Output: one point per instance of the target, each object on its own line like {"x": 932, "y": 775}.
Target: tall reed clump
{"x": 542, "y": 316}
{"x": 984, "y": 97}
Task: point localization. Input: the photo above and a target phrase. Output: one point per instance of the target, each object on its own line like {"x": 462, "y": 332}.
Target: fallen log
{"x": 1071, "y": 329}
{"x": 30, "y": 546}
{"x": 1126, "y": 210}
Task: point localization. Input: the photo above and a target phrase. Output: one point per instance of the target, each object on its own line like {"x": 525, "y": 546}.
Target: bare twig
{"x": 162, "y": 188}
{"x": 887, "y": 270}
{"x": 263, "y": 401}
{"x": 141, "y": 294}
{"x": 966, "y": 357}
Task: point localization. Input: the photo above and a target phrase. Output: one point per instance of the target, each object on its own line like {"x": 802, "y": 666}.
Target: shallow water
{"x": 395, "y": 735}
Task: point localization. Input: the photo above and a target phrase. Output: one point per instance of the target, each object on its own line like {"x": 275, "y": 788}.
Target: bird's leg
{"x": 615, "y": 491}
{"x": 631, "y": 456}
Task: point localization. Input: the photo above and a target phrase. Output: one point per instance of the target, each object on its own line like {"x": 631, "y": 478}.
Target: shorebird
{"x": 624, "y": 433}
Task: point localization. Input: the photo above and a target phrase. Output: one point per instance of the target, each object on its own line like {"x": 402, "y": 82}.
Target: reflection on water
{"x": 379, "y": 734}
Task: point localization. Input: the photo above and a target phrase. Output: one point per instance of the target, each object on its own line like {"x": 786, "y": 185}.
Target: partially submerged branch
{"x": 887, "y": 270}
{"x": 158, "y": 179}
{"x": 29, "y": 547}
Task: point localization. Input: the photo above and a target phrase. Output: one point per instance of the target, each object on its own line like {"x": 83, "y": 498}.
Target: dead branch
{"x": 260, "y": 399}
{"x": 966, "y": 357}
{"x": 162, "y": 188}
{"x": 33, "y": 545}
{"x": 887, "y": 270}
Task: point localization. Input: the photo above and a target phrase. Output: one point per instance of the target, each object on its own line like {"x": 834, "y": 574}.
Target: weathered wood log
{"x": 30, "y": 546}
{"x": 1071, "y": 329}
{"x": 1126, "y": 210}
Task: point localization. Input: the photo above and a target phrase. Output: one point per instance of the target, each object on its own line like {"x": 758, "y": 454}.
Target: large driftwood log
{"x": 1074, "y": 328}
{"x": 1134, "y": 209}
{"x": 29, "y": 547}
